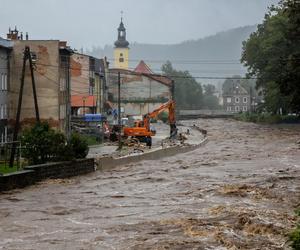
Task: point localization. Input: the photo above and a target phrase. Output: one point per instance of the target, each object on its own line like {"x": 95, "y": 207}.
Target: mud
{"x": 239, "y": 191}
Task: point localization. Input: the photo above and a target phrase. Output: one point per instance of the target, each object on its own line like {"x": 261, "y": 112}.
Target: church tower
{"x": 121, "y": 50}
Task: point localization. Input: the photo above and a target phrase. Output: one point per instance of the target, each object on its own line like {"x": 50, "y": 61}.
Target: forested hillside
{"x": 217, "y": 55}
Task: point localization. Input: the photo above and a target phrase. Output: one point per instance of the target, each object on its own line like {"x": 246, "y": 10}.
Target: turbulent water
{"x": 236, "y": 192}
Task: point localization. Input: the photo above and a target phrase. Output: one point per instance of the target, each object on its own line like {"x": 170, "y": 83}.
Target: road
{"x": 237, "y": 192}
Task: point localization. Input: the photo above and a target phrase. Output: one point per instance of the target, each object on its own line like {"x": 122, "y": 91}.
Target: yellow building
{"x": 121, "y": 50}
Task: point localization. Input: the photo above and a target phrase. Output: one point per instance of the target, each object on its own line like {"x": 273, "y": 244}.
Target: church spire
{"x": 121, "y": 42}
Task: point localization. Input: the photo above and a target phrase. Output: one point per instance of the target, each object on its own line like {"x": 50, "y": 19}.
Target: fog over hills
{"x": 214, "y": 56}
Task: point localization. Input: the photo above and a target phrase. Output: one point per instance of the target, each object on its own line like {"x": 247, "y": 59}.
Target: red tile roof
{"x": 143, "y": 68}
{"x": 80, "y": 101}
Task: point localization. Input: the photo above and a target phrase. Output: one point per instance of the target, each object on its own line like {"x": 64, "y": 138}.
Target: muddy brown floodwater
{"x": 239, "y": 191}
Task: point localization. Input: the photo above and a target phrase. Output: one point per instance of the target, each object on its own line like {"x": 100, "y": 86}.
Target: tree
{"x": 209, "y": 100}
{"x": 188, "y": 92}
{"x": 209, "y": 89}
{"x": 272, "y": 54}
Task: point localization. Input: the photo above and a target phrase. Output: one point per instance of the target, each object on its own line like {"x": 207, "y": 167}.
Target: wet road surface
{"x": 237, "y": 192}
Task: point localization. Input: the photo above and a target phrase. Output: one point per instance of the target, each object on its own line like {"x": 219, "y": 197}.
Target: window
{"x": 237, "y": 100}
{"x": 121, "y": 54}
{"x": 237, "y": 108}
{"x": 2, "y": 112}
{"x": 33, "y": 57}
{"x": 62, "y": 111}
{"x": 91, "y": 90}
{"x": 245, "y": 99}
{"x": 228, "y": 108}
{"x": 245, "y": 108}
{"x": 5, "y": 134}
{"x": 62, "y": 84}
{"x": 5, "y": 82}
{"x": 2, "y": 81}
{"x": 5, "y": 111}
{"x": 121, "y": 59}
{"x": 228, "y": 99}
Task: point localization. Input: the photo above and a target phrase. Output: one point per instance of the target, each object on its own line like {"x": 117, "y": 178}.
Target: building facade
{"x": 51, "y": 59}
{"x": 142, "y": 91}
{"x": 87, "y": 88}
{"x": 5, "y": 50}
{"x": 101, "y": 80}
{"x": 237, "y": 99}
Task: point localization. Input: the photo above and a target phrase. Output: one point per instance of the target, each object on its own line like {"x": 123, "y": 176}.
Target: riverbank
{"x": 266, "y": 118}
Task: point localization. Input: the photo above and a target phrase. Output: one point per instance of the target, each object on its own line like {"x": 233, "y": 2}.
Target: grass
{"x": 91, "y": 140}
{"x": 6, "y": 169}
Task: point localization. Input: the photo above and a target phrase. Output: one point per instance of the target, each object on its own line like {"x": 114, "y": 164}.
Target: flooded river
{"x": 238, "y": 191}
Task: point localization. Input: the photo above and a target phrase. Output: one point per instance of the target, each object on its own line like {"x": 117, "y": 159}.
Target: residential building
{"x": 236, "y": 99}
{"x": 142, "y": 91}
{"x": 100, "y": 84}
{"x": 51, "y": 59}
{"x": 5, "y": 50}
{"x": 88, "y": 79}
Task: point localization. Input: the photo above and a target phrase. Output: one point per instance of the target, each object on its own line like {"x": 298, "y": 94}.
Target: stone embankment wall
{"x": 109, "y": 162}
{"x": 33, "y": 174}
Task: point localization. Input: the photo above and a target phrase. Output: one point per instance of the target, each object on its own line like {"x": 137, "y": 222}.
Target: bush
{"x": 43, "y": 144}
{"x": 79, "y": 146}
{"x": 266, "y": 118}
{"x": 294, "y": 236}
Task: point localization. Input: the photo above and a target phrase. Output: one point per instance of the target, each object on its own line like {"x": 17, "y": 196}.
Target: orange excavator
{"x": 141, "y": 129}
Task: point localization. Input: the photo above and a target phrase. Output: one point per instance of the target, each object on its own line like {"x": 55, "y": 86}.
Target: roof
{"x": 142, "y": 67}
{"x": 7, "y": 44}
{"x": 121, "y": 26}
{"x": 237, "y": 89}
{"x": 83, "y": 101}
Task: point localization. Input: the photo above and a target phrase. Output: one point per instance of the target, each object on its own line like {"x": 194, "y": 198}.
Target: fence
{"x": 5, "y": 152}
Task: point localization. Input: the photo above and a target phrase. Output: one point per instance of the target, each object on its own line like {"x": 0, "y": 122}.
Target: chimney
{"x": 62, "y": 44}
{"x": 13, "y": 34}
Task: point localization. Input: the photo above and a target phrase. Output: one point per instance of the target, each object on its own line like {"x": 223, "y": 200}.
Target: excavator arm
{"x": 170, "y": 105}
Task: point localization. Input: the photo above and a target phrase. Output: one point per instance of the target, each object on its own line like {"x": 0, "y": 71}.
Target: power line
{"x": 130, "y": 72}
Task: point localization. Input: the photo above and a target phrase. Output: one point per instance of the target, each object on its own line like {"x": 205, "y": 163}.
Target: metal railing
{"x": 5, "y": 152}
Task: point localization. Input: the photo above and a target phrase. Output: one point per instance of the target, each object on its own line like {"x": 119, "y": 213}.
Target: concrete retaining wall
{"x": 109, "y": 162}
{"x": 18, "y": 179}
{"x": 62, "y": 169}
{"x": 32, "y": 174}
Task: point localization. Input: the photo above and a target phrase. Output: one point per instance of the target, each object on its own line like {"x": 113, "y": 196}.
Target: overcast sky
{"x": 84, "y": 23}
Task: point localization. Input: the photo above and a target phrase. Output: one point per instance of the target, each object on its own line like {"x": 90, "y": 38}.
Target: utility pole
{"x": 27, "y": 56}
{"x": 119, "y": 111}
{"x": 37, "y": 114}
